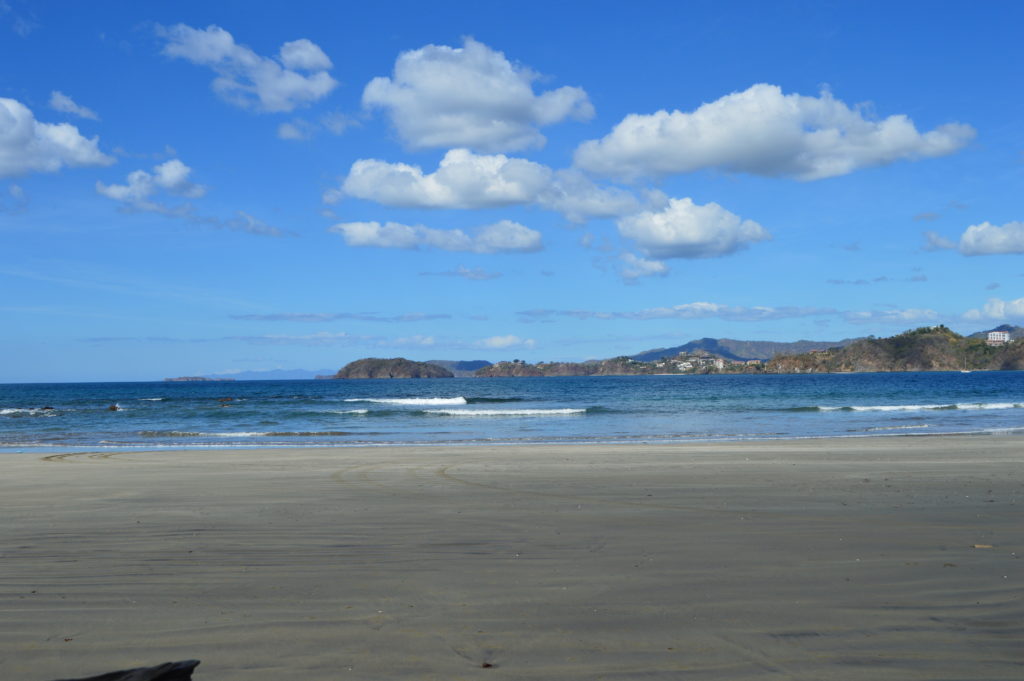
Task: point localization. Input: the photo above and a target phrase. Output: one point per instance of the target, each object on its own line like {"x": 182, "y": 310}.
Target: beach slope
{"x": 867, "y": 558}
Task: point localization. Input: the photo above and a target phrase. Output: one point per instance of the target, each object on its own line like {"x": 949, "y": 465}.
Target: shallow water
{"x": 70, "y": 416}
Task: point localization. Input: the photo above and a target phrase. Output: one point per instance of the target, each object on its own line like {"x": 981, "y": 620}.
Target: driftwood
{"x": 168, "y": 671}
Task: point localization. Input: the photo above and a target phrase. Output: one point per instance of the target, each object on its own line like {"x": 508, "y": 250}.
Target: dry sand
{"x": 882, "y": 558}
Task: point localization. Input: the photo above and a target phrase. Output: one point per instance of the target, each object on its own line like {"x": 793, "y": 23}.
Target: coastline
{"x": 860, "y": 558}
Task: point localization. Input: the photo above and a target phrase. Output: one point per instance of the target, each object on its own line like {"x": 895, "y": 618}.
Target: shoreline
{"x": 854, "y": 558}
{"x": 636, "y": 441}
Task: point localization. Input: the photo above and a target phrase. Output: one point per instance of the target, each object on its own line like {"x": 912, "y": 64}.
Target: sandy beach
{"x": 869, "y": 558}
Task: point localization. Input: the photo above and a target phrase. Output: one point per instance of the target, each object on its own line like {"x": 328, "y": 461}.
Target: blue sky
{"x": 198, "y": 188}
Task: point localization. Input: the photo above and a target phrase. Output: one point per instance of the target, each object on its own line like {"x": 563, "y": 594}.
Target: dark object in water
{"x": 113, "y": 407}
{"x": 225, "y": 399}
{"x": 168, "y": 671}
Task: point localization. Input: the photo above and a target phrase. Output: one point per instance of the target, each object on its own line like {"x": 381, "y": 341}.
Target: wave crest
{"x": 416, "y": 401}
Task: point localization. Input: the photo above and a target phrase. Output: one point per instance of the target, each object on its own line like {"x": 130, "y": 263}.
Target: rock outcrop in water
{"x": 398, "y": 367}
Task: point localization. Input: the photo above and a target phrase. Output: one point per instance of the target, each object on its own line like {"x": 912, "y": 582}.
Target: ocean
{"x": 67, "y": 417}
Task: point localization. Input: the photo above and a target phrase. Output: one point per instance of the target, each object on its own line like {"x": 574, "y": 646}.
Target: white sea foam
{"x": 349, "y": 411}
{"x": 240, "y": 434}
{"x": 418, "y": 401}
{"x": 505, "y": 412}
{"x": 926, "y": 407}
{"x": 991, "y": 405}
{"x": 34, "y": 411}
{"x": 152, "y": 399}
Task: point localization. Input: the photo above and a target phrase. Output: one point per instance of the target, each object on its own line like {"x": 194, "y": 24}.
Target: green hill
{"x": 933, "y": 348}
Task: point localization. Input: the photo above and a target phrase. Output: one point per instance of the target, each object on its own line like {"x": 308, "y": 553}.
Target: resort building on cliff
{"x": 998, "y": 338}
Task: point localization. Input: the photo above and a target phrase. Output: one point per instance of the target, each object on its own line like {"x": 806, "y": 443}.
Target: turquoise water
{"x": 514, "y": 410}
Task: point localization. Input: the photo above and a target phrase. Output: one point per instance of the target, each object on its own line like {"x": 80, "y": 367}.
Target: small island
{"x": 398, "y": 367}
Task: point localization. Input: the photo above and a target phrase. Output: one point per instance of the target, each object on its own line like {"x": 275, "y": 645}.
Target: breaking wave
{"x": 505, "y": 412}
{"x": 967, "y": 406}
{"x": 415, "y": 401}
{"x": 182, "y": 433}
{"x": 28, "y": 411}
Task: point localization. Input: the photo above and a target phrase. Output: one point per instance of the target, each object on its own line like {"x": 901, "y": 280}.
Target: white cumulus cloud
{"x": 575, "y": 196}
{"x": 684, "y": 229}
{"x": 983, "y": 239}
{"x": 462, "y": 180}
{"x": 140, "y": 186}
{"x": 509, "y": 341}
{"x": 297, "y": 77}
{"x": 764, "y": 132}
{"x": 470, "y": 96}
{"x": 466, "y": 180}
{"x": 635, "y": 267}
{"x": 989, "y": 239}
{"x": 998, "y": 309}
{"x": 28, "y": 146}
{"x": 502, "y": 237}
{"x": 61, "y": 102}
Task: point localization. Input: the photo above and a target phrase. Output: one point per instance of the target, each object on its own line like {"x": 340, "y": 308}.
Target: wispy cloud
{"x": 22, "y": 24}
{"x": 698, "y": 310}
{"x": 892, "y": 316}
{"x": 739, "y": 313}
{"x": 336, "y": 339}
{"x": 634, "y": 267}
{"x": 145, "y": 192}
{"x": 505, "y": 236}
{"x": 301, "y": 129}
{"x": 471, "y": 273}
{"x": 339, "y": 316}
{"x": 63, "y": 103}
{"x": 917, "y": 278}
{"x": 15, "y": 201}
{"x": 503, "y": 342}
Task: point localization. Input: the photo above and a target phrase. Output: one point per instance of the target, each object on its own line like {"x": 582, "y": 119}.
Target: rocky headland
{"x": 398, "y": 367}
{"x": 930, "y": 348}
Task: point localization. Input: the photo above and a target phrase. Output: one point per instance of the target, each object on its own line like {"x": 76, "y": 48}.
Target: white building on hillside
{"x": 998, "y": 337}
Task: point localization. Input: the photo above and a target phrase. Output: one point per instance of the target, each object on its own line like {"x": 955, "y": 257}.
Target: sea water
{"x": 76, "y": 416}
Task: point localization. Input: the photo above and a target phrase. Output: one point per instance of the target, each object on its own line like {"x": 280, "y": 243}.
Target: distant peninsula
{"x": 398, "y": 367}
{"x": 189, "y": 379}
{"x": 929, "y": 348}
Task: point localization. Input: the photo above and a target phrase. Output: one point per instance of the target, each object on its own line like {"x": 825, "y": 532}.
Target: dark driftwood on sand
{"x": 168, "y": 671}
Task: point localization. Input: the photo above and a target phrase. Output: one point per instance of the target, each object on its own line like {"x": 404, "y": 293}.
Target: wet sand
{"x": 873, "y": 558}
